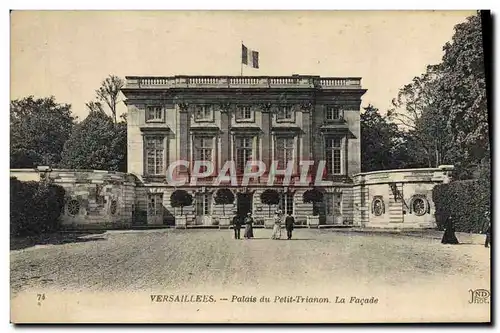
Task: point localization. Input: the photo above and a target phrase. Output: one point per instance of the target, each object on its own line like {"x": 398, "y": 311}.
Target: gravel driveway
{"x": 153, "y": 261}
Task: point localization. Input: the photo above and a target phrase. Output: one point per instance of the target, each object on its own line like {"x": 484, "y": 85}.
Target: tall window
{"x": 243, "y": 152}
{"x": 154, "y": 113}
{"x": 333, "y": 113}
{"x": 155, "y": 154}
{"x": 244, "y": 112}
{"x": 203, "y": 150}
{"x": 286, "y": 203}
{"x": 203, "y": 113}
{"x": 285, "y": 113}
{"x": 284, "y": 150}
{"x": 155, "y": 205}
{"x": 203, "y": 204}
{"x": 333, "y": 155}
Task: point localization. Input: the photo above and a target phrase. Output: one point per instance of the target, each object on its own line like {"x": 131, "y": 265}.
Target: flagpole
{"x": 241, "y": 60}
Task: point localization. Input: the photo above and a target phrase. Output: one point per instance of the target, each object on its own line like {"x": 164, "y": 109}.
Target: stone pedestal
{"x": 224, "y": 222}
{"x": 180, "y": 221}
{"x": 313, "y": 221}
{"x": 268, "y": 222}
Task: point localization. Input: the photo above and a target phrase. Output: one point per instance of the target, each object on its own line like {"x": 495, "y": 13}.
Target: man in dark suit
{"x": 488, "y": 230}
{"x": 289, "y": 221}
{"x": 488, "y": 237}
{"x": 236, "y": 225}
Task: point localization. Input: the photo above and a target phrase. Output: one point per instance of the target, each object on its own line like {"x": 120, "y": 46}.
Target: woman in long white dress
{"x": 277, "y": 225}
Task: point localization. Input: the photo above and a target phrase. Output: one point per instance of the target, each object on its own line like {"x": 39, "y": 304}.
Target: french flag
{"x": 249, "y": 57}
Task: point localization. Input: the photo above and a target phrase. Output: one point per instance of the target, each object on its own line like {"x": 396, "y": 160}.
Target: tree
{"x": 224, "y": 196}
{"x": 444, "y": 111}
{"x": 382, "y": 143}
{"x": 181, "y": 198}
{"x": 417, "y": 113}
{"x": 94, "y": 106}
{"x": 38, "y": 130}
{"x": 108, "y": 92}
{"x": 270, "y": 197}
{"x": 313, "y": 196}
{"x": 462, "y": 90}
{"x": 96, "y": 143}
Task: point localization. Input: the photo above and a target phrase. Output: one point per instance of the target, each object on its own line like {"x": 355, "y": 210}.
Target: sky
{"x": 68, "y": 53}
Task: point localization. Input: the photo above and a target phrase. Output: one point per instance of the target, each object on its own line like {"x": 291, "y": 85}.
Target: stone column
{"x": 306, "y": 109}
{"x": 225, "y": 128}
{"x": 266, "y": 135}
{"x": 183, "y": 135}
{"x": 316, "y": 116}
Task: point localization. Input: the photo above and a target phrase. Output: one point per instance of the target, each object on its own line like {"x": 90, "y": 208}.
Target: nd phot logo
{"x": 479, "y": 296}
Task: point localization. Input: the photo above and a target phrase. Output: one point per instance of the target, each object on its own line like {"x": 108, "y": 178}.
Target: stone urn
{"x": 180, "y": 221}
{"x": 313, "y": 221}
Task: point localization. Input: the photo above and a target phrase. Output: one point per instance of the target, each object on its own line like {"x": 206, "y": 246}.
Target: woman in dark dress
{"x": 449, "y": 232}
{"x": 248, "y": 226}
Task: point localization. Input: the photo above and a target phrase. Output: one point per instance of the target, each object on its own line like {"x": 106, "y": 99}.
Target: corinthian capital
{"x": 266, "y": 107}
{"x": 306, "y": 106}
{"x": 183, "y": 106}
{"x": 225, "y": 106}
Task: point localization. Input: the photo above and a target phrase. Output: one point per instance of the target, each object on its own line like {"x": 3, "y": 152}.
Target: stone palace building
{"x": 220, "y": 118}
{"x": 241, "y": 118}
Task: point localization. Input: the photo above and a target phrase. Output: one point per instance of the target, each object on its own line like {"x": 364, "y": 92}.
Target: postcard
{"x": 250, "y": 167}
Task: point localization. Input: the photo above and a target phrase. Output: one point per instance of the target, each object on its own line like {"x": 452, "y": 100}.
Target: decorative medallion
{"x": 73, "y": 207}
{"x": 112, "y": 207}
{"x": 419, "y": 205}
{"x": 378, "y": 206}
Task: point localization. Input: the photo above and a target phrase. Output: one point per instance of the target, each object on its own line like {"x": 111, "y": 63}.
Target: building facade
{"x": 226, "y": 118}
{"x": 292, "y": 121}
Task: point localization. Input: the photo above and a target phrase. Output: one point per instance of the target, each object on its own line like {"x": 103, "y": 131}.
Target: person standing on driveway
{"x": 248, "y": 226}
{"x": 289, "y": 222}
{"x": 237, "y": 225}
{"x": 277, "y": 225}
{"x": 449, "y": 232}
{"x": 488, "y": 230}
{"x": 488, "y": 236}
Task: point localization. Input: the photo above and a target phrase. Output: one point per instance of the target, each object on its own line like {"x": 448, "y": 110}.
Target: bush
{"x": 35, "y": 207}
{"x": 270, "y": 197}
{"x": 467, "y": 201}
{"x": 224, "y": 196}
{"x": 181, "y": 198}
{"x": 313, "y": 196}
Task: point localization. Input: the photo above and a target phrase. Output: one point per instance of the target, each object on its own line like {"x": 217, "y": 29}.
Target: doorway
{"x": 333, "y": 208}
{"x": 155, "y": 208}
{"x": 203, "y": 209}
{"x": 244, "y": 203}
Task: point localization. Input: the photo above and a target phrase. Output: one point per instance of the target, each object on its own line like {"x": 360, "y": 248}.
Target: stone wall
{"x": 94, "y": 199}
{"x": 397, "y": 198}
{"x": 381, "y": 199}
{"x": 25, "y": 175}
